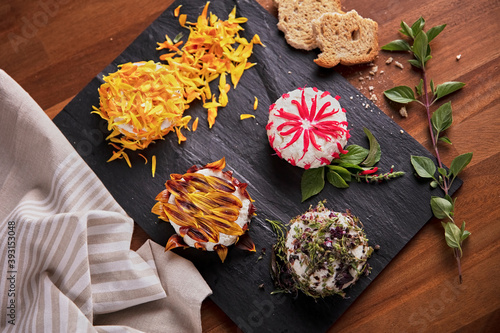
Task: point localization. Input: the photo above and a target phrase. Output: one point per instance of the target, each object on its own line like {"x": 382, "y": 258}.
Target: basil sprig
{"x": 417, "y": 44}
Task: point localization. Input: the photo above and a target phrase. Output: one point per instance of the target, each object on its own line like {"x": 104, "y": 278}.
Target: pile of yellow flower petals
{"x": 144, "y": 101}
{"x": 214, "y": 49}
{"x": 141, "y": 102}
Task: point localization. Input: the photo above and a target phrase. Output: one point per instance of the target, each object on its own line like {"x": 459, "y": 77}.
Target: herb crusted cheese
{"x": 326, "y": 251}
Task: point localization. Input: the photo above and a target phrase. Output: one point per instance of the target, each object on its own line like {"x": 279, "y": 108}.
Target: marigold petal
{"x": 153, "y": 165}
{"x": 221, "y": 251}
{"x": 177, "y": 216}
{"x": 182, "y": 20}
{"x": 144, "y": 157}
{"x": 217, "y": 165}
{"x": 175, "y": 241}
{"x": 246, "y": 243}
{"x": 256, "y": 40}
{"x": 195, "y": 124}
{"x": 177, "y": 10}
{"x": 246, "y": 116}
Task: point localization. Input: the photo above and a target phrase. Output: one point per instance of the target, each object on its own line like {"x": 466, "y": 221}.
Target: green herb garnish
{"x": 178, "y": 37}
{"x": 357, "y": 163}
{"x": 426, "y": 94}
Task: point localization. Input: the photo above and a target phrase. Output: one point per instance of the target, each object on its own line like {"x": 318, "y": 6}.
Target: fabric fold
{"x": 184, "y": 296}
{"x": 65, "y": 241}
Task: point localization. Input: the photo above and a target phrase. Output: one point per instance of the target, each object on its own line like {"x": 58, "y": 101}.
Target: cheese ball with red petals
{"x": 307, "y": 127}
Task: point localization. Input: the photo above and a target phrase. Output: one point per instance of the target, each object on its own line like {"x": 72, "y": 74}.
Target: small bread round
{"x": 347, "y": 39}
{"x": 295, "y": 17}
{"x": 307, "y": 127}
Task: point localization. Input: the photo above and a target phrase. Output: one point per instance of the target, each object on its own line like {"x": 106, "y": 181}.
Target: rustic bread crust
{"x": 296, "y": 16}
{"x": 346, "y": 38}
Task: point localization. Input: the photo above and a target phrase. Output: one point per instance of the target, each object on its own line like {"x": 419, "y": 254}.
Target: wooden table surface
{"x": 53, "y": 48}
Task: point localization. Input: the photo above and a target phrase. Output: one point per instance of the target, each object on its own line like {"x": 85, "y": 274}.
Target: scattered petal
{"x": 153, "y": 166}
{"x": 182, "y": 20}
{"x": 177, "y": 10}
{"x": 221, "y": 251}
{"x": 145, "y": 159}
{"x": 175, "y": 241}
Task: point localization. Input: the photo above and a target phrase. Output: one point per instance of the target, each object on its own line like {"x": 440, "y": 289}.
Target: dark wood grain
{"x": 60, "y": 46}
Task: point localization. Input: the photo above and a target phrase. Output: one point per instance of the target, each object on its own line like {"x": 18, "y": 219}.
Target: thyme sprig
{"x": 280, "y": 271}
{"x": 427, "y": 94}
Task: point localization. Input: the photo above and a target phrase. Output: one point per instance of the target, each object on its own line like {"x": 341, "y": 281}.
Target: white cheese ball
{"x": 326, "y": 251}
{"x": 307, "y": 127}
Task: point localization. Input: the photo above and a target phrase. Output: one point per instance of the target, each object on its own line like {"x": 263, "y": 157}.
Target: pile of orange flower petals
{"x": 214, "y": 49}
{"x": 141, "y": 102}
{"x": 144, "y": 101}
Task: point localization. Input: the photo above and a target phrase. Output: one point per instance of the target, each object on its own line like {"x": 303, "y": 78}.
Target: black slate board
{"x": 391, "y": 212}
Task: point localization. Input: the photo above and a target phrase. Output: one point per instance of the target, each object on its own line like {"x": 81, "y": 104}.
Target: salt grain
{"x": 389, "y": 60}
{"x": 374, "y": 70}
{"x": 403, "y": 112}
{"x": 458, "y": 57}
{"x": 398, "y": 64}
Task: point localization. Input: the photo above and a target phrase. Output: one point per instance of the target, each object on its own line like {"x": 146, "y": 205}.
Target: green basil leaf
{"x": 459, "y": 163}
{"x": 434, "y": 184}
{"x": 313, "y": 181}
{"x": 343, "y": 172}
{"x": 406, "y": 30}
{"x": 356, "y": 154}
{"x": 445, "y": 139}
{"x": 415, "y": 63}
{"x": 419, "y": 88}
{"x": 429, "y": 57}
{"x": 441, "y": 208}
{"x": 397, "y": 45}
{"x": 336, "y": 180}
{"x": 375, "y": 152}
{"x": 442, "y": 118}
{"x": 442, "y": 172}
{"x": 420, "y": 47}
{"x": 464, "y": 233}
{"x": 448, "y": 88}
{"x": 434, "y": 31}
{"x": 400, "y": 94}
{"x": 432, "y": 87}
{"x": 452, "y": 235}
{"x": 424, "y": 166}
{"x": 354, "y": 167}
{"x": 417, "y": 27}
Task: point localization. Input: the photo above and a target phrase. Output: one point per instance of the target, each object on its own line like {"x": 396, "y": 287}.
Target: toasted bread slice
{"x": 346, "y": 38}
{"x": 295, "y": 17}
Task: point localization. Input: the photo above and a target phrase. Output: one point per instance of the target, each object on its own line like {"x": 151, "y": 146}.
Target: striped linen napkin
{"x": 65, "y": 258}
